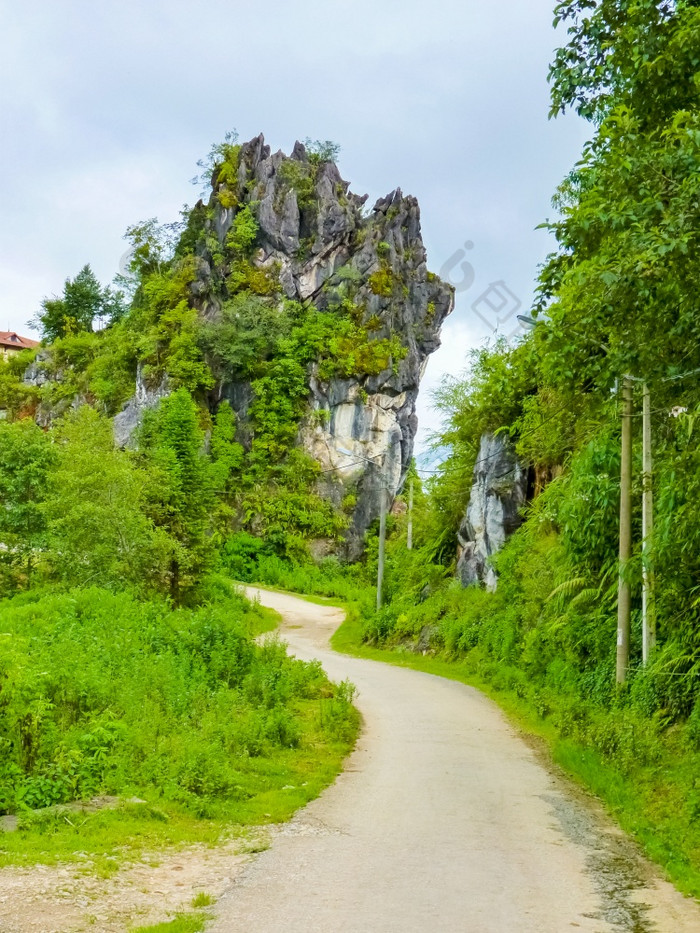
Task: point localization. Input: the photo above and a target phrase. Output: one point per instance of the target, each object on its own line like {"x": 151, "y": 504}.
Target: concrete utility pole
{"x": 409, "y": 531}
{"x": 648, "y": 616}
{"x": 382, "y": 519}
{"x": 623, "y": 592}
{"x": 382, "y": 544}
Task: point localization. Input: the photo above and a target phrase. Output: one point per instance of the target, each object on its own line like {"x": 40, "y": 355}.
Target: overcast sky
{"x": 107, "y": 106}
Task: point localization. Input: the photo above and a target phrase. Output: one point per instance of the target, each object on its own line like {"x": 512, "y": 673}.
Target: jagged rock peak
{"x": 315, "y": 234}
{"x": 307, "y": 238}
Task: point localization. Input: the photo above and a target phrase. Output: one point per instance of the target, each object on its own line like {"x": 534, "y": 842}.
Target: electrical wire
{"x": 443, "y": 472}
{"x": 693, "y": 372}
{"x": 491, "y": 456}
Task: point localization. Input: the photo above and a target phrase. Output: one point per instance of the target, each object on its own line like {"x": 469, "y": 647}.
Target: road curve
{"x": 444, "y": 820}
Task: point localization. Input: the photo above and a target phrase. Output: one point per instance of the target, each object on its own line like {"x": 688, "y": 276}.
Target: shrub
{"x": 103, "y": 693}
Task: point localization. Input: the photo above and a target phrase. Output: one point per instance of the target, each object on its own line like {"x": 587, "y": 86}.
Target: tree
{"x": 98, "y": 529}
{"x": 621, "y": 289}
{"x": 83, "y": 303}
{"x": 618, "y": 49}
{"x": 152, "y": 248}
{"x": 245, "y": 336}
{"x": 226, "y": 453}
{"x": 26, "y": 460}
{"x": 322, "y": 150}
{"x": 171, "y": 445}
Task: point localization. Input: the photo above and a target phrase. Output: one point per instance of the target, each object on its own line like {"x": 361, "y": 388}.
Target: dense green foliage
{"x": 99, "y": 532}
{"x": 83, "y": 304}
{"x": 81, "y": 512}
{"x": 26, "y": 460}
{"x": 620, "y": 290}
{"x": 104, "y": 693}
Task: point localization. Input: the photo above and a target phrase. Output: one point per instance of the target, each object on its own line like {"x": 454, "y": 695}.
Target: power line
{"x": 693, "y": 372}
{"x": 525, "y": 434}
{"x": 345, "y": 466}
{"x": 529, "y": 464}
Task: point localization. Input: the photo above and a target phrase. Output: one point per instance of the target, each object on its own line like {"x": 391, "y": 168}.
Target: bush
{"x": 103, "y": 693}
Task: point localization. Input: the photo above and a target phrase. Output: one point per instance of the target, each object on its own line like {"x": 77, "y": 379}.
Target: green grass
{"x": 235, "y": 736}
{"x": 202, "y": 900}
{"x": 307, "y": 597}
{"x": 181, "y": 923}
{"x": 266, "y": 620}
{"x": 101, "y": 840}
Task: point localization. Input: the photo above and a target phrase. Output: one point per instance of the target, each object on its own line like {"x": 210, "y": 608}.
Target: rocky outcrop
{"x": 315, "y": 243}
{"x": 498, "y": 493}
{"x": 316, "y": 238}
{"x": 42, "y": 373}
{"x": 129, "y": 419}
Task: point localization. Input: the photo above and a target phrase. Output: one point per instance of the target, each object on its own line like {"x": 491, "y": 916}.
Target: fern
{"x": 567, "y": 588}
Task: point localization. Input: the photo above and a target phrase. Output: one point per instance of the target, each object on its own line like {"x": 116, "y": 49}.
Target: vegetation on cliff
{"x": 217, "y": 312}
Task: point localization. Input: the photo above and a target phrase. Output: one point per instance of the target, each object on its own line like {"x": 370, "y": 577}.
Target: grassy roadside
{"x": 182, "y": 922}
{"x": 273, "y": 789}
{"x": 193, "y": 921}
{"x": 266, "y": 620}
{"x": 282, "y": 734}
{"x": 649, "y": 803}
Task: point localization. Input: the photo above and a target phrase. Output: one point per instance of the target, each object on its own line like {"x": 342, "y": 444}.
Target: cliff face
{"x": 498, "y": 493}
{"x": 286, "y": 297}
{"x": 316, "y": 239}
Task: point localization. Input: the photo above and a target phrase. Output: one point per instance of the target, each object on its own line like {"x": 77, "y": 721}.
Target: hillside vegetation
{"x": 240, "y": 330}
{"x": 177, "y": 712}
{"x": 128, "y": 668}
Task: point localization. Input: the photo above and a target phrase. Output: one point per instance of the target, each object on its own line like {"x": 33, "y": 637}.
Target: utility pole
{"x": 384, "y": 487}
{"x": 623, "y": 592}
{"x": 409, "y": 531}
{"x": 648, "y": 616}
{"x": 382, "y": 543}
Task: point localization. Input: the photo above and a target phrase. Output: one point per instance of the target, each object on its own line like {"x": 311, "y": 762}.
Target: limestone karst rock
{"x": 315, "y": 244}
{"x": 498, "y": 493}
{"x": 129, "y": 418}
{"x": 322, "y": 244}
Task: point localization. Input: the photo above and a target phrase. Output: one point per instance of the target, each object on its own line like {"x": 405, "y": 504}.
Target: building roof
{"x": 9, "y": 338}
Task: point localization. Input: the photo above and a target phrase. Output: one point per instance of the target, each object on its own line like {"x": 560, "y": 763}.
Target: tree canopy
{"x": 83, "y": 304}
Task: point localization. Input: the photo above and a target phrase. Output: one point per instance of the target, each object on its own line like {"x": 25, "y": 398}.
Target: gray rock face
{"x": 35, "y": 374}
{"x": 315, "y": 236}
{"x": 41, "y": 373}
{"x": 316, "y": 240}
{"x": 130, "y": 417}
{"x": 498, "y": 493}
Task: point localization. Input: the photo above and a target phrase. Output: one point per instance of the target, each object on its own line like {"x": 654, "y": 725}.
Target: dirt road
{"x": 444, "y": 820}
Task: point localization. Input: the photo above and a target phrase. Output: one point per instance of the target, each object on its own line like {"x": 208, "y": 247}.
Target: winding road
{"x": 445, "y": 819}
